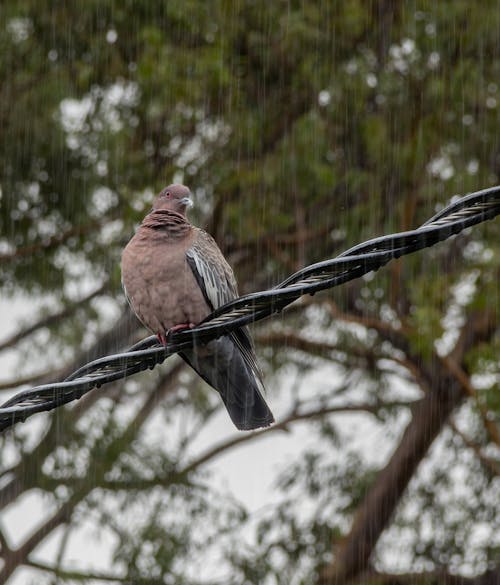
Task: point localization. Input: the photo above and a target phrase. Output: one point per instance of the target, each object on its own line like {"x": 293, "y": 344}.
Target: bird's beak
{"x": 187, "y": 201}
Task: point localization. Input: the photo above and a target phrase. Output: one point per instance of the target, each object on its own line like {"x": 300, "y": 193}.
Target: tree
{"x": 302, "y": 129}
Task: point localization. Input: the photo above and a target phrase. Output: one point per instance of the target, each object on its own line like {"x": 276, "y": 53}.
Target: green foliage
{"x": 301, "y": 128}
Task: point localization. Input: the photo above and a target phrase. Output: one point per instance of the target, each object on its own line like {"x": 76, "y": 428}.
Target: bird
{"x": 174, "y": 275}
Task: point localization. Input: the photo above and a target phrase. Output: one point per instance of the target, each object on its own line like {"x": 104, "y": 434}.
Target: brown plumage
{"x": 174, "y": 275}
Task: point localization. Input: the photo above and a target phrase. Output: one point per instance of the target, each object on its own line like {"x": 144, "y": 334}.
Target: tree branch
{"x": 51, "y": 319}
{"x": 490, "y": 464}
{"x": 464, "y": 380}
{"x": 290, "y": 339}
{"x": 32, "y": 379}
{"x": 101, "y": 465}
{"x": 4, "y": 545}
{"x": 75, "y": 575}
{"x": 428, "y": 417}
{"x": 283, "y": 425}
{"x": 389, "y": 331}
{"x": 28, "y": 471}
{"x": 491, "y": 577}
{"x": 56, "y": 240}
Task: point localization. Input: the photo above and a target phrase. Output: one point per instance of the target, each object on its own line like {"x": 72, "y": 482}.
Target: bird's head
{"x": 174, "y": 198}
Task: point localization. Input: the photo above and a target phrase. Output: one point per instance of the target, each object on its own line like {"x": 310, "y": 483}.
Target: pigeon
{"x": 174, "y": 275}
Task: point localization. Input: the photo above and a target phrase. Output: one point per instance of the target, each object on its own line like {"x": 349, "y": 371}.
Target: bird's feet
{"x": 162, "y": 337}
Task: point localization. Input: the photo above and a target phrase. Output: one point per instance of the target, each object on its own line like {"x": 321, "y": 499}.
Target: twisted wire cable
{"x": 356, "y": 261}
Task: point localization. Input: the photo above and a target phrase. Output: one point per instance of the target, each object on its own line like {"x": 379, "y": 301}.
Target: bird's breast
{"x": 160, "y": 285}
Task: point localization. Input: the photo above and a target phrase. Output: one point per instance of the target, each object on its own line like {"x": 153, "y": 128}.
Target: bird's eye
{"x": 168, "y": 195}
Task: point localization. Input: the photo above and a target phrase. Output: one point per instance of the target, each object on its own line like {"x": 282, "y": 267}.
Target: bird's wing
{"x": 217, "y": 282}
{"x": 213, "y": 274}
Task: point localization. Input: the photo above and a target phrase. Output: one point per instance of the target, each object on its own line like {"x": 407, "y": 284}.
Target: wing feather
{"x": 217, "y": 282}
{"x": 213, "y": 273}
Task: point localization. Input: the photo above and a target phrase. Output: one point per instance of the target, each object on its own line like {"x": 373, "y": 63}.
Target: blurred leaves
{"x": 301, "y": 128}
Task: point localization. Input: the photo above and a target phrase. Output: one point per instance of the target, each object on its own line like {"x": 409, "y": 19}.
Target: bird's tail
{"x": 222, "y": 365}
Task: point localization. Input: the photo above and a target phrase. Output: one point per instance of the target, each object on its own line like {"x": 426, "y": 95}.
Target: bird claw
{"x": 162, "y": 337}
{"x": 180, "y": 327}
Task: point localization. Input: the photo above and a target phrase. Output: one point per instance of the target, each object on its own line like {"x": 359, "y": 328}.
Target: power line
{"x": 353, "y": 263}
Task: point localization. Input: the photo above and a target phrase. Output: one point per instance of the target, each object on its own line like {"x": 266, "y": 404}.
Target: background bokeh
{"x": 301, "y": 128}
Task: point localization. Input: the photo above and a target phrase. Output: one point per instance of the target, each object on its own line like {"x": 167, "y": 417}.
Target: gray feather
{"x": 232, "y": 368}
{"x": 222, "y": 365}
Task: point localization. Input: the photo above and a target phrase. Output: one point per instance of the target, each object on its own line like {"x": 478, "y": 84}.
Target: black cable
{"x": 353, "y": 263}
